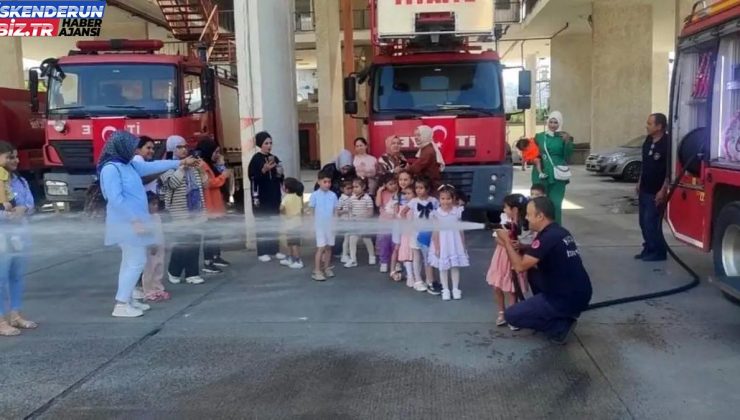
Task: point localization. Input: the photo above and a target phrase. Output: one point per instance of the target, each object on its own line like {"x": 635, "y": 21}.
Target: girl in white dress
{"x": 447, "y": 252}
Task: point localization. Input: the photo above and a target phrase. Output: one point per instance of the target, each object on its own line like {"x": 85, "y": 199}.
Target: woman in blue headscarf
{"x": 127, "y": 220}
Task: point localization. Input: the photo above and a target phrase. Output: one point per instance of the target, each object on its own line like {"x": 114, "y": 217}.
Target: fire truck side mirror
{"x": 33, "y": 88}
{"x": 350, "y": 89}
{"x": 350, "y": 108}
{"x": 525, "y": 83}
{"x": 524, "y": 102}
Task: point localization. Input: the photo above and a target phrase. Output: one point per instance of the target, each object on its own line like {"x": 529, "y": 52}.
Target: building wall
{"x": 622, "y": 71}
{"x": 570, "y": 83}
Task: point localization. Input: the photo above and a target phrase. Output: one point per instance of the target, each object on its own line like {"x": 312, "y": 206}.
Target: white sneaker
{"x": 124, "y": 310}
{"x": 383, "y": 268}
{"x": 420, "y": 286}
{"x": 280, "y": 256}
{"x": 409, "y": 282}
{"x": 264, "y": 258}
{"x": 457, "y": 294}
{"x": 297, "y": 265}
{"x": 350, "y": 264}
{"x": 173, "y": 279}
{"x": 138, "y": 293}
{"x": 513, "y": 328}
{"x": 345, "y": 259}
{"x": 373, "y": 260}
{"x": 140, "y": 306}
{"x": 446, "y": 294}
{"x": 195, "y": 280}
{"x": 286, "y": 262}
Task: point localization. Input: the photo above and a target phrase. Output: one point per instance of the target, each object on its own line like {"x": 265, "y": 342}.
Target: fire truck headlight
{"x": 60, "y": 126}
{"x": 492, "y": 188}
{"x": 56, "y": 188}
{"x": 494, "y": 178}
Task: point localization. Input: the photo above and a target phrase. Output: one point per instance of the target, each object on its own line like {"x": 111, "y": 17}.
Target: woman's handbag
{"x": 560, "y": 172}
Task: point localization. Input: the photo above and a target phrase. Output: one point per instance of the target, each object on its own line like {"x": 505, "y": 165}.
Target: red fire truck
{"x": 705, "y": 209}
{"x": 25, "y": 130}
{"x": 149, "y": 94}
{"x": 427, "y": 70}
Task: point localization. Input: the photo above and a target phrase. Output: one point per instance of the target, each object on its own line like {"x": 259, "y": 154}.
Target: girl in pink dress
{"x": 408, "y": 237}
{"x": 500, "y": 274}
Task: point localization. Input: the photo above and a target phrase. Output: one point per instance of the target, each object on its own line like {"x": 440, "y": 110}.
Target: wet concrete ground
{"x": 263, "y": 341}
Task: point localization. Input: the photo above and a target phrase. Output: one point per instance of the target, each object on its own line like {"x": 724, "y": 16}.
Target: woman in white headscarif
{"x": 429, "y": 162}
{"x": 556, "y": 146}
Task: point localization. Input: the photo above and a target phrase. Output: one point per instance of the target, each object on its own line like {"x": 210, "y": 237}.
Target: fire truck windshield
{"x": 114, "y": 89}
{"x": 438, "y": 89}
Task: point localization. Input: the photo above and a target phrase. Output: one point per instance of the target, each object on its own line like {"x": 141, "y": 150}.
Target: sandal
{"x": 6, "y": 330}
{"x": 396, "y": 275}
{"x": 17, "y": 321}
{"x": 501, "y": 321}
{"x": 160, "y": 296}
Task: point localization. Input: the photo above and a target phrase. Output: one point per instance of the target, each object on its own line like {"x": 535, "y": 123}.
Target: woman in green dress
{"x": 559, "y": 144}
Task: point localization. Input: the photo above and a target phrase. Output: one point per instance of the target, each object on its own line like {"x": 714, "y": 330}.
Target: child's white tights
{"x": 444, "y": 278}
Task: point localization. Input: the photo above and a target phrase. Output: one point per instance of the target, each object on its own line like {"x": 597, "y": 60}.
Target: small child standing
{"x": 291, "y": 208}
{"x": 361, "y": 206}
{"x": 447, "y": 252}
{"x": 405, "y": 180}
{"x": 530, "y": 154}
{"x": 324, "y": 204}
{"x": 386, "y": 199}
{"x": 422, "y": 207}
{"x": 500, "y": 274}
{"x": 408, "y": 237}
{"x": 151, "y": 278}
{"x": 345, "y": 213}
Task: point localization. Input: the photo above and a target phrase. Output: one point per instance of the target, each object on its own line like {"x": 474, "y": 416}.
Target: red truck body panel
{"x": 21, "y": 127}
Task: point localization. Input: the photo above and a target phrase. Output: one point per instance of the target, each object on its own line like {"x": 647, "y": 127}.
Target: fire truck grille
{"x": 75, "y": 154}
{"x": 462, "y": 181}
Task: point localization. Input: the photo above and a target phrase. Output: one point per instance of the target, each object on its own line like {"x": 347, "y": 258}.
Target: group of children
{"x": 400, "y": 199}
{"x": 403, "y": 205}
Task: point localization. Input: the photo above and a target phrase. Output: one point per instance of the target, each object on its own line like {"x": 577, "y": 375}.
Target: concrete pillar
{"x": 348, "y": 52}
{"x": 622, "y": 71}
{"x": 267, "y": 81}
{"x": 530, "y": 116}
{"x": 11, "y": 66}
{"x": 570, "y": 82}
{"x": 329, "y": 63}
{"x": 664, "y": 40}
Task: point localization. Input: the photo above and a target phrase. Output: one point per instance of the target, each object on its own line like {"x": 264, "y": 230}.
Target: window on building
{"x": 193, "y": 94}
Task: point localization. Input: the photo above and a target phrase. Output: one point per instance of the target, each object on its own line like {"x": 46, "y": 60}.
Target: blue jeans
{"x": 538, "y": 314}
{"x": 133, "y": 260}
{"x": 12, "y": 271}
{"x": 652, "y": 229}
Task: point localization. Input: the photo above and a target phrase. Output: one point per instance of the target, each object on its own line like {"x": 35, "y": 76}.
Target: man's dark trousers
{"x": 652, "y": 228}
{"x": 538, "y": 314}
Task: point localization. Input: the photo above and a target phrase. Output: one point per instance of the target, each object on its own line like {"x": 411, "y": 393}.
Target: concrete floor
{"x": 267, "y": 342}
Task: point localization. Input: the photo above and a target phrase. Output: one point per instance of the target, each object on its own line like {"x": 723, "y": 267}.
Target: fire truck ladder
{"x": 196, "y": 22}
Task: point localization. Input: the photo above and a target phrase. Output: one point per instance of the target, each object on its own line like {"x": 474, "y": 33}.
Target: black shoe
{"x": 435, "y": 289}
{"x": 562, "y": 338}
{"x": 220, "y": 262}
{"x": 211, "y": 269}
{"x": 654, "y": 258}
{"x": 640, "y": 256}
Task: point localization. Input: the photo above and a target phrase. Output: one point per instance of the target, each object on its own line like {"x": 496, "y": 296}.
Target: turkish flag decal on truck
{"x": 102, "y": 128}
{"x": 445, "y": 135}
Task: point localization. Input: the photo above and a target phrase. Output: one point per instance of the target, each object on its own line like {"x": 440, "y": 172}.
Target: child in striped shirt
{"x": 361, "y": 208}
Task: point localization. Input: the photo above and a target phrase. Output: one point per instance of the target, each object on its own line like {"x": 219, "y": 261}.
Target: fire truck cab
{"x": 426, "y": 71}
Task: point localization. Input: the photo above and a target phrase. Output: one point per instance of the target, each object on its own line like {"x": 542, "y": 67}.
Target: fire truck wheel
{"x": 726, "y": 243}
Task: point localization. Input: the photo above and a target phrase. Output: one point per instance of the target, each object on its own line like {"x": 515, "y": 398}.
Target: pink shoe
{"x": 158, "y": 296}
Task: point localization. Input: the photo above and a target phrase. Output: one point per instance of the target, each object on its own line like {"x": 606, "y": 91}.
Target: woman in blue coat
{"x": 127, "y": 221}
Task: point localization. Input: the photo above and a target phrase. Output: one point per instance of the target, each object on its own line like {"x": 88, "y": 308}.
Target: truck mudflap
{"x": 67, "y": 188}
{"x": 485, "y": 186}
